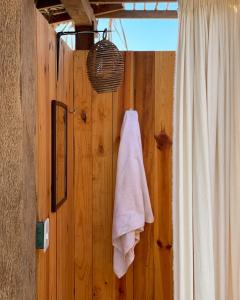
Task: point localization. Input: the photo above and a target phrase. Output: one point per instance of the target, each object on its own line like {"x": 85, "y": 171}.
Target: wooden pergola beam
{"x": 58, "y": 18}
{"x": 141, "y": 14}
{"x": 129, "y": 1}
{"x": 80, "y": 11}
{"x": 106, "y": 8}
{"x": 41, "y": 4}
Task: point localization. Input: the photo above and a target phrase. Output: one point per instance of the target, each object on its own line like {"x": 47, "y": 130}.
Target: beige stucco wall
{"x": 17, "y": 130}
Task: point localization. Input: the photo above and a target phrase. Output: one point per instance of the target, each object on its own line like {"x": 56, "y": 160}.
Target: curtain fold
{"x": 206, "y": 152}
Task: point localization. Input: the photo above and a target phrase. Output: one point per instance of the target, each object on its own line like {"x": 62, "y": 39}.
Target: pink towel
{"x": 132, "y": 203}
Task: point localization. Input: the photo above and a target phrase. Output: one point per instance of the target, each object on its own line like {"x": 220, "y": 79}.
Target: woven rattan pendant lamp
{"x": 105, "y": 66}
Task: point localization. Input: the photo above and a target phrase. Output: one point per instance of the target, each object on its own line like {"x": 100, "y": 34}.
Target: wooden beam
{"x": 141, "y": 14}
{"x": 106, "y": 8}
{"x": 84, "y": 41}
{"x": 58, "y": 18}
{"x": 80, "y": 11}
{"x": 129, "y": 1}
{"x": 40, "y": 4}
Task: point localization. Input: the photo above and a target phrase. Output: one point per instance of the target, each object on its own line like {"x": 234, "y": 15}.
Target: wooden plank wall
{"x": 148, "y": 88}
{"x": 64, "y": 215}
{"x": 55, "y": 268}
{"x": 79, "y": 259}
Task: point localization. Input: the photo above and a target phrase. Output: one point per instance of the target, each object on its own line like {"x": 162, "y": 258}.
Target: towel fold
{"x": 132, "y": 208}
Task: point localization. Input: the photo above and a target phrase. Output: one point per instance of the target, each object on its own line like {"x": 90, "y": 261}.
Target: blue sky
{"x": 145, "y": 34}
{"x": 141, "y": 34}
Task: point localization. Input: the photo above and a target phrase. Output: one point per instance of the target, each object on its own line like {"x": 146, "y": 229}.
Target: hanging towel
{"x": 132, "y": 206}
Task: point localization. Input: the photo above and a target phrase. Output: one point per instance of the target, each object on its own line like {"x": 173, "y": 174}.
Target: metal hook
{"x": 72, "y": 111}
{"x": 82, "y": 114}
{"x": 104, "y": 36}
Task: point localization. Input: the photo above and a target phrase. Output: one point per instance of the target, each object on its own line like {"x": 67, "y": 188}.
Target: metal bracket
{"x": 76, "y": 32}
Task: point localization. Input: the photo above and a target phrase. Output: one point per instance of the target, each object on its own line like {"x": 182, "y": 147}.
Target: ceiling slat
{"x": 130, "y": 1}
{"x": 141, "y": 14}
{"x": 106, "y": 8}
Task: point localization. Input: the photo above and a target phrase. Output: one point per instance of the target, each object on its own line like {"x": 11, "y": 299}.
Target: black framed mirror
{"x": 59, "y": 154}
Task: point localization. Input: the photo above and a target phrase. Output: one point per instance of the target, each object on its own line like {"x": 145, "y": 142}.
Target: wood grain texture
{"x": 55, "y": 269}
{"x": 106, "y": 8}
{"x": 65, "y": 213}
{"x": 52, "y": 90}
{"x": 122, "y": 100}
{"x": 83, "y": 192}
{"x": 43, "y": 151}
{"x": 128, "y": 86}
{"x": 164, "y": 81}
{"x": 148, "y": 87}
{"x": 144, "y": 104}
{"x": 86, "y": 263}
{"x": 102, "y": 195}
{"x": 46, "y": 91}
{"x": 80, "y": 11}
{"x": 17, "y": 145}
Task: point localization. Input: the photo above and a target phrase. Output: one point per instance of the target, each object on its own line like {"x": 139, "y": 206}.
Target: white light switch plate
{"x": 46, "y": 235}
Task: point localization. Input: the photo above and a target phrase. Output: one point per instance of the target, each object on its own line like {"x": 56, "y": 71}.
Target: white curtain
{"x": 206, "y": 167}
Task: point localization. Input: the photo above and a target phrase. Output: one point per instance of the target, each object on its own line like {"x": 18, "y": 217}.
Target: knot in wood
{"x": 101, "y": 148}
{"x": 160, "y": 244}
{"x": 84, "y": 116}
{"x": 168, "y": 247}
{"x": 163, "y": 141}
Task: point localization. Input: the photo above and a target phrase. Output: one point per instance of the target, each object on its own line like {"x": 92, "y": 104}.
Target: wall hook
{"x": 72, "y": 111}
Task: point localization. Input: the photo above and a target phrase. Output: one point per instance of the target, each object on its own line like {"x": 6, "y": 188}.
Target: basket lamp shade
{"x": 105, "y": 66}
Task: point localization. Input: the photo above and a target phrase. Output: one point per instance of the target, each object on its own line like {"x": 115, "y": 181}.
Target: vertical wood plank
{"x": 163, "y": 264}
{"x": 52, "y": 216}
{"x": 128, "y": 85}
{"x": 65, "y": 219}
{"x": 43, "y": 155}
{"x": 102, "y": 196}
{"x": 122, "y": 101}
{"x": 144, "y": 104}
{"x": 43, "y": 100}
{"x": 83, "y": 178}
